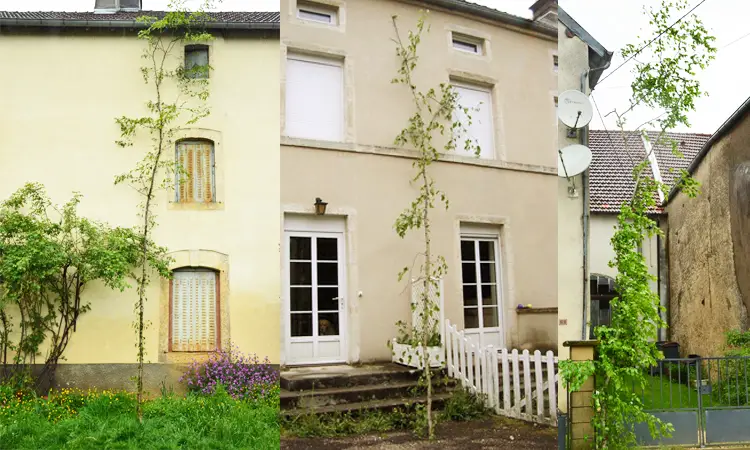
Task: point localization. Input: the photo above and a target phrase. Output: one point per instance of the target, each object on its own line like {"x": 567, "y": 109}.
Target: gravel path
{"x": 494, "y": 433}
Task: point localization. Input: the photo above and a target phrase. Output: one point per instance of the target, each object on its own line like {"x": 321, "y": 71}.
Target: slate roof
{"x": 52, "y": 18}
{"x": 610, "y": 175}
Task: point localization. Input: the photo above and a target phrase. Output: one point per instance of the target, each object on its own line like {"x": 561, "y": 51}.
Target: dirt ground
{"x": 494, "y": 433}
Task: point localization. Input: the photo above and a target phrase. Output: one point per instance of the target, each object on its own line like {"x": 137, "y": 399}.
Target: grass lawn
{"x": 76, "y": 420}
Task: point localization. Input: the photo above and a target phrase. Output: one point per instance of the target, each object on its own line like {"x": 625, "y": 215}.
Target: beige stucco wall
{"x": 706, "y": 263}
{"x": 601, "y": 253}
{"x": 57, "y": 127}
{"x": 367, "y": 181}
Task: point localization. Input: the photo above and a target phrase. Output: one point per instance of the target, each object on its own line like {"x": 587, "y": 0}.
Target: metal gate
{"x": 707, "y": 401}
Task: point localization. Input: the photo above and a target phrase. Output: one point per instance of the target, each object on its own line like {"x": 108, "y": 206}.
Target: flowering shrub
{"x": 244, "y": 377}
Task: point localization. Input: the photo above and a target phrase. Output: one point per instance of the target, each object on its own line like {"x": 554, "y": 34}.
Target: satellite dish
{"x": 574, "y": 109}
{"x": 573, "y": 160}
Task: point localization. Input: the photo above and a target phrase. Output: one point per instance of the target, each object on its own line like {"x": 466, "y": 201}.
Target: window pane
{"x": 469, "y": 272}
{"x": 301, "y": 324}
{"x": 489, "y": 316}
{"x": 327, "y": 249}
{"x": 328, "y": 324}
{"x": 471, "y": 319}
{"x": 489, "y": 294}
{"x": 487, "y": 251}
{"x": 328, "y": 274}
{"x": 300, "y": 273}
{"x": 299, "y": 248}
{"x": 470, "y": 295}
{"x": 327, "y": 299}
{"x": 487, "y": 272}
{"x": 467, "y": 251}
{"x": 196, "y": 62}
{"x": 301, "y": 299}
{"x": 316, "y": 16}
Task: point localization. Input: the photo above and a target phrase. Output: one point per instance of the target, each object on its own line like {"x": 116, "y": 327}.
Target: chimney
{"x": 113, "y": 6}
{"x": 545, "y": 12}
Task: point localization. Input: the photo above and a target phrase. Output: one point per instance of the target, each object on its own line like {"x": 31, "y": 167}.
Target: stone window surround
{"x": 208, "y": 259}
{"x": 340, "y": 5}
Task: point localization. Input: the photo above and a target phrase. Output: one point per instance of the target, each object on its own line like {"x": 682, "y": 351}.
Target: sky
{"x": 725, "y": 79}
{"x": 153, "y": 5}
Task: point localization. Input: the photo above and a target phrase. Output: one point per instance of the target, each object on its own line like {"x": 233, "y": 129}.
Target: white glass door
{"x": 482, "y": 293}
{"x": 314, "y": 288}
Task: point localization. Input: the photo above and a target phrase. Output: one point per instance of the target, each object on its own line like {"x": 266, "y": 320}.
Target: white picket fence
{"x": 504, "y": 379}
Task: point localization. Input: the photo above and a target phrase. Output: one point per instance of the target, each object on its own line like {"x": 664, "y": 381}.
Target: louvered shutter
{"x": 196, "y": 159}
{"x": 194, "y": 326}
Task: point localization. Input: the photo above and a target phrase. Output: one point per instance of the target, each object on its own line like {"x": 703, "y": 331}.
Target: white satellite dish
{"x": 573, "y": 160}
{"x": 574, "y": 109}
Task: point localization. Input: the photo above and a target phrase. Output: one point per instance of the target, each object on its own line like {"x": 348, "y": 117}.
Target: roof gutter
{"x": 725, "y": 128}
{"x": 130, "y": 24}
{"x": 492, "y": 14}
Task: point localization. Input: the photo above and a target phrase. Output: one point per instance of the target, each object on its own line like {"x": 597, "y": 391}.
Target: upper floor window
{"x": 196, "y": 61}
{"x": 478, "y": 125}
{"x": 194, "y": 324}
{"x": 555, "y": 63}
{"x": 195, "y": 174}
{"x": 317, "y": 13}
{"x": 314, "y": 98}
{"x": 468, "y": 44}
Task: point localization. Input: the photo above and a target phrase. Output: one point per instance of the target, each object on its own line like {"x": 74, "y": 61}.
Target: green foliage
{"x": 433, "y": 117}
{"x": 48, "y": 256}
{"x": 406, "y": 335}
{"x": 737, "y": 338}
{"x": 75, "y": 419}
{"x": 179, "y": 100}
{"x": 626, "y": 349}
{"x": 347, "y": 424}
{"x": 463, "y": 406}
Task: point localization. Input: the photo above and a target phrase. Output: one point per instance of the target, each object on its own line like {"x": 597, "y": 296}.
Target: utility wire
{"x": 736, "y": 40}
{"x": 651, "y": 42}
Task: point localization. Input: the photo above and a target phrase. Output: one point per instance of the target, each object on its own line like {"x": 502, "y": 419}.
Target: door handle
{"x": 341, "y": 301}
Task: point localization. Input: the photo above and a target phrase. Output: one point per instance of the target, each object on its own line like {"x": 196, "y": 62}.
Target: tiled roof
{"x": 611, "y": 172}
{"x": 216, "y": 17}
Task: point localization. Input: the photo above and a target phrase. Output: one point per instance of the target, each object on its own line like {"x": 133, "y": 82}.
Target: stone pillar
{"x": 581, "y": 409}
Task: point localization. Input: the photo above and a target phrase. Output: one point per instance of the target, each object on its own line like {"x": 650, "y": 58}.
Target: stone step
{"x": 347, "y": 376}
{"x": 388, "y": 404}
{"x": 354, "y": 394}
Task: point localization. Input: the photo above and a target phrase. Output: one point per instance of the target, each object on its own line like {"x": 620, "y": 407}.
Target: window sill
{"x": 187, "y": 357}
{"x": 545, "y": 310}
{"x": 412, "y": 154}
{"x": 176, "y": 206}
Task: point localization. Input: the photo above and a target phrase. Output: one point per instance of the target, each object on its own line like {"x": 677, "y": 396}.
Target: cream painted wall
{"x": 57, "y": 127}
{"x": 602, "y": 230}
{"x": 570, "y": 276}
{"x": 367, "y": 181}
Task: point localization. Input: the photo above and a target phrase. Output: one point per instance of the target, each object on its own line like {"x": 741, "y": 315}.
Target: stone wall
{"x": 708, "y": 244}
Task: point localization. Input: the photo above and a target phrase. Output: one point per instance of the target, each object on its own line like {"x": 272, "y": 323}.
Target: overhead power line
{"x": 651, "y": 41}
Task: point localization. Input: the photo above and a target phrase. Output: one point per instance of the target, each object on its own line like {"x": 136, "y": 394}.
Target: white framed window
{"x": 195, "y": 174}
{"x": 317, "y": 13}
{"x": 314, "y": 98}
{"x": 467, "y": 43}
{"x": 478, "y": 125}
{"x": 194, "y": 323}
{"x": 480, "y": 281}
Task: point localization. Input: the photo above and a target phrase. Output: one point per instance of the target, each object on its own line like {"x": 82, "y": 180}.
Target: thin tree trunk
{"x": 427, "y": 311}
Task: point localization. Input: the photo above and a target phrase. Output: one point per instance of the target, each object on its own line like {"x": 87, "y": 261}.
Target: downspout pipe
{"x": 586, "y": 208}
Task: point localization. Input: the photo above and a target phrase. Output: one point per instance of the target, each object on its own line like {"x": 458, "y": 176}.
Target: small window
{"x": 194, "y": 172}
{"x": 196, "y": 61}
{"x": 467, "y": 44}
{"x": 317, "y": 13}
{"x": 314, "y": 99}
{"x": 554, "y": 63}
{"x": 193, "y": 303}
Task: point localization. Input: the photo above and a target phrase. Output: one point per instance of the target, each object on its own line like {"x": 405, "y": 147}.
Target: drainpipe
{"x": 585, "y": 198}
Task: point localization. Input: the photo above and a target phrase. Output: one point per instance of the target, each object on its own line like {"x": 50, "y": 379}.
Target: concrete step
{"x": 388, "y": 404}
{"x": 355, "y": 394}
{"x": 306, "y": 379}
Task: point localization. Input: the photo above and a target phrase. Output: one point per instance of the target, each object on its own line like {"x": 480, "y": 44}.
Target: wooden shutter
{"x": 196, "y": 158}
{"x": 194, "y": 318}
